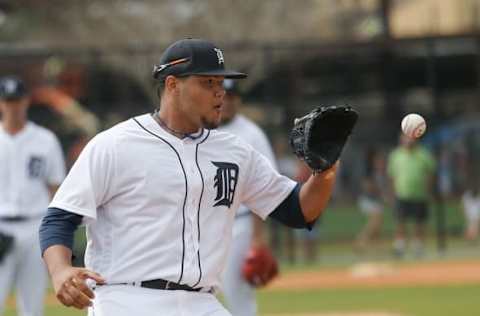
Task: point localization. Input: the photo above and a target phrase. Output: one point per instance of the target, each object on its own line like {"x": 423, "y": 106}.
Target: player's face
{"x": 230, "y": 107}
{"x": 14, "y": 109}
{"x": 201, "y": 98}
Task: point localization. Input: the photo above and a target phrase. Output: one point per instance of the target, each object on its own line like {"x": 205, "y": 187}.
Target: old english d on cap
{"x": 193, "y": 57}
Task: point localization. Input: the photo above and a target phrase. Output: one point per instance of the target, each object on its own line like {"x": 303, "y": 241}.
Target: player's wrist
{"x": 328, "y": 174}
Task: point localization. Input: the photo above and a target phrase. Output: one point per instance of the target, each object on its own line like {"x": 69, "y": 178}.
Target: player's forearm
{"x": 57, "y": 258}
{"x": 316, "y": 192}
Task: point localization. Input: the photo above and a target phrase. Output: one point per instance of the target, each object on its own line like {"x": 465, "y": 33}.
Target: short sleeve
{"x": 265, "y": 188}
{"x": 88, "y": 185}
{"x": 56, "y": 163}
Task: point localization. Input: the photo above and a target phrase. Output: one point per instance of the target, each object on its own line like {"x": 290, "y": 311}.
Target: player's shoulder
{"x": 121, "y": 128}
{"x": 40, "y": 133}
{"x": 225, "y": 139}
{"x": 120, "y": 133}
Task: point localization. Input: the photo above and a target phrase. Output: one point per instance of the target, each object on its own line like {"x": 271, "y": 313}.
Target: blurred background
{"x": 89, "y": 65}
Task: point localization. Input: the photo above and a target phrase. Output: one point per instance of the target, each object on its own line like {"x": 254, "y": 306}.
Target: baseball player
{"x": 159, "y": 194}
{"x": 247, "y": 229}
{"x": 31, "y": 169}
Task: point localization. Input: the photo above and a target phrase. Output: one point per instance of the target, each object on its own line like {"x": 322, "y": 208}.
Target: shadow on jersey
{"x": 225, "y": 182}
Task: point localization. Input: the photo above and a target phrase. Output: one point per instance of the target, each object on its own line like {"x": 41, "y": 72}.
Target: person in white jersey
{"x": 248, "y": 233}
{"x": 31, "y": 169}
{"x": 159, "y": 194}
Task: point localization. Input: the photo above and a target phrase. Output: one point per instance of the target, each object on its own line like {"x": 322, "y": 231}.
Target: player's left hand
{"x": 318, "y": 138}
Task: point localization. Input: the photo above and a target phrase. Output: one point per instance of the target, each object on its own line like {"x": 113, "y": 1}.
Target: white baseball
{"x": 414, "y": 125}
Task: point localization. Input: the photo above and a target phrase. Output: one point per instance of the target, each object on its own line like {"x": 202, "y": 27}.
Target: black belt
{"x": 160, "y": 284}
{"x": 13, "y": 218}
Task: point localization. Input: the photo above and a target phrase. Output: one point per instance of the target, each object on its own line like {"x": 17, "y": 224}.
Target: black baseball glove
{"x": 6, "y": 243}
{"x": 318, "y": 138}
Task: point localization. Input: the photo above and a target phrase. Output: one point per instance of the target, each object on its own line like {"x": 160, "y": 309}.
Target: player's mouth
{"x": 218, "y": 108}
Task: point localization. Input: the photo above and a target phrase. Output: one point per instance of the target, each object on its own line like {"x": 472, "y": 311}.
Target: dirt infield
{"x": 382, "y": 275}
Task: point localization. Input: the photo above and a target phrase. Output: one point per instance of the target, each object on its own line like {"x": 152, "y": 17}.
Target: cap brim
{"x": 230, "y": 74}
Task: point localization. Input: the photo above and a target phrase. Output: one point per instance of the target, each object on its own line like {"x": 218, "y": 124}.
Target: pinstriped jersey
{"x": 160, "y": 207}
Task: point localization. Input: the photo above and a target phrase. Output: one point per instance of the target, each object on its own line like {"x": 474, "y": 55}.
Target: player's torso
{"x": 249, "y": 132}
{"x": 23, "y": 168}
{"x": 179, "y": 197}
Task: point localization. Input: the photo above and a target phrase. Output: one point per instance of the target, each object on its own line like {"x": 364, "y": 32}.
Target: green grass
{"x": 343, "y": 222}
{"x": 53, "y": 311}
{"x": 422, "y": 301}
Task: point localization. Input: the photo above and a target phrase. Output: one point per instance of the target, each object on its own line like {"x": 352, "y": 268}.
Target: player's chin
{"x": 212, "y": 123}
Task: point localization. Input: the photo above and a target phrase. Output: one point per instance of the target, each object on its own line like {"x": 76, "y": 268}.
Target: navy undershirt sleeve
{"x": 58, "y": 228}
{"x": 289, "y": 212}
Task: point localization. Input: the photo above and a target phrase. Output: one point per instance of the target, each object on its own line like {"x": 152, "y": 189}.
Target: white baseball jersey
{"x": 159, "y": 207}
{"x": 29, "y": 161}
{"x": 254, "y": 136}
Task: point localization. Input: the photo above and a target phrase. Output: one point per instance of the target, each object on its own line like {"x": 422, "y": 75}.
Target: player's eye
{"x": 209, "y": 83}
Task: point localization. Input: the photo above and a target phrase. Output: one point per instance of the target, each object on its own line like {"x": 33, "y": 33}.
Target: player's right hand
{"x": 71, "y": 288}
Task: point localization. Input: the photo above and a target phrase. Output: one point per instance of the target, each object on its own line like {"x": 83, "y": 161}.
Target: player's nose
{"x": 220, "y": 92}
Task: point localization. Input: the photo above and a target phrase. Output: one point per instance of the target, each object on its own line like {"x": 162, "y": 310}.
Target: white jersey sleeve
{"x": 90, "y": 181}
{"x": 265, "y": 188}
{"x": 56, "y": 163}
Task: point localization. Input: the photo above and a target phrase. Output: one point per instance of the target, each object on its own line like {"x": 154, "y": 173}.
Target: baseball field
{"x": 436, "y": 288}
{"x": 342, "y": 283}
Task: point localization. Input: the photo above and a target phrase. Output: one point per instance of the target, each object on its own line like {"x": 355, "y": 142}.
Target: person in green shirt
{"x": 411, "y": 168}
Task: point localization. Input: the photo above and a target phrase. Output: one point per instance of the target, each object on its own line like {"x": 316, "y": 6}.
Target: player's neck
{"x": 13, "y": 125}
{"x": 174, "y": 123}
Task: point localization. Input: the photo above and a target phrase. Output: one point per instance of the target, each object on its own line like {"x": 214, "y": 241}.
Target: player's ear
{"x": 171, "y": 84}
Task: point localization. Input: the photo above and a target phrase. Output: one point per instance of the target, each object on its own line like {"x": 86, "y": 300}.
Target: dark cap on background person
{"x": 193, "y": 57}
{"x": 12, "y": 88}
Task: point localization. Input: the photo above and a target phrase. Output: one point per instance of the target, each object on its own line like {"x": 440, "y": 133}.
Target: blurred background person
{"x": 31, "y": 169}
{"x": 411, "y": 168}
{"x": 471, "y": 209}
{"x": 372, "y": 198}
{"x": 248, "y": 229}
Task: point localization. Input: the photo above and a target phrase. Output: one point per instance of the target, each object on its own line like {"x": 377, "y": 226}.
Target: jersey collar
{"x": 149, "y": 122}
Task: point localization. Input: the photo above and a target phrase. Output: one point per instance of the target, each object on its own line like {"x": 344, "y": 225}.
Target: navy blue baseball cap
{"x": 193, "y": 57}
{"x": 12, "y": 88}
